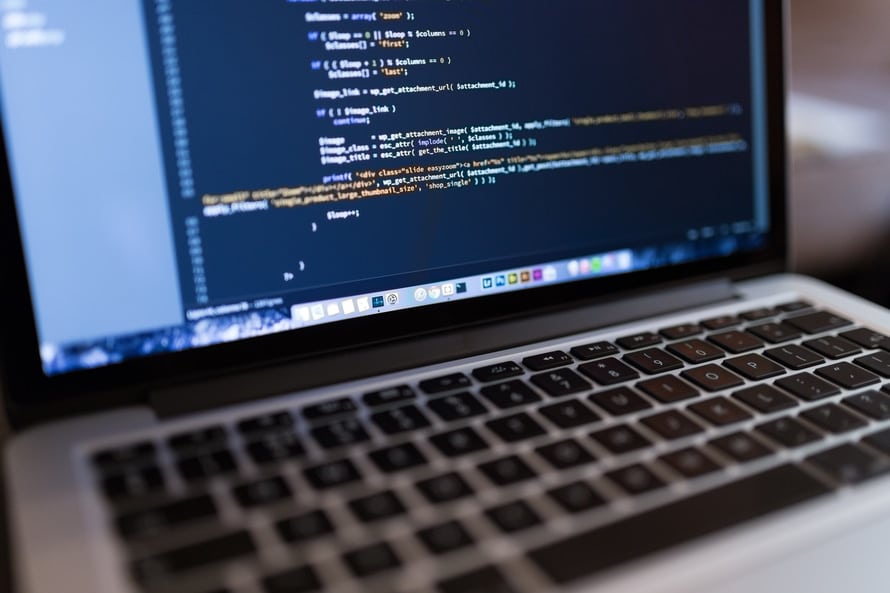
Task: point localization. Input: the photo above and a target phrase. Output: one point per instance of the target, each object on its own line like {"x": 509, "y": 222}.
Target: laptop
{"x": 415, "y": 297}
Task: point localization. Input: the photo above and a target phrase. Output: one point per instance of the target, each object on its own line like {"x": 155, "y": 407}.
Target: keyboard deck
{"x": 517, "y": 476}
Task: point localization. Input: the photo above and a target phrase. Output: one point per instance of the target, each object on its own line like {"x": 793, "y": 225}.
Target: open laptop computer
{"x": 451, "y": 296}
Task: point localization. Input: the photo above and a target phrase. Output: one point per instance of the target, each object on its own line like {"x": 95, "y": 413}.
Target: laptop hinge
{"x": 383, "y": 358}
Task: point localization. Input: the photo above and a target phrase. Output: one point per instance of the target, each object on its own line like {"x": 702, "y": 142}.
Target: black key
{"x": 193, "y": 556}
{"x": 696, "y": 351}
{"x": 849, "y": 376}
{"x": 758, "y": 314}
{"x": 818, "y": 322}
{"x": 207, "y": 465}
{"x": 392, "y": 395}
{"x": 515, "y": 428}
{"x": 833, "y": 419}
{"x": 795, "y": 357}
{"x": 484, "y": 580}
{"x": 808, "y": 387}
{"x": 741, "y": 447}
{"x": 621, "y": 439}
{"x": 333, "y": 474}
{"x": 208, "y": 439}
{"x": 775, "y": 333}
{"x": 445, "y": 538}
{"x": 456, "y": 407}
{"x": 721, "y": 322}
{"x": 295, "y": 580}
{"x": 565, "y": 454}
{"x": 157, "y": 520}
{"x": 545, "y": 362}
{"x": 569, "y": 414}
{"x": 879, "y": 440}
{"x": 636, "y": 479}
{"x": 399, "y": 420}
{"x": 833, "y": 347}
{"x": 643, "y": 340}
{"x": 451, "y": 382}
{"x": 128, "y": 457}
{"x": 672, "y": 425}
{"x": 278, "y": 422}
{"x": 331, "y": 409}
{"x": 594, "y": 351}
{"x": 135, "y": 483}
{"x": 561, "y": 382}
{"x": 879, "y": 362}
{"x": 795, "y": 307}
{"x": 713, "y": 377}
{"x": 262, "y": 492}
{"x": 628, "y": 539}
{"x": 680, "y": 332}
{"x": 510, "y": 394}
{"x": 445, "y": 488}
{"x": 508, "y": 470}
{"x": 668, "y": 389}
{"x": 274, "y": 446}
{"x": 339, "y": 434}
{"x": 690, "y": 462}
{"x": 619, "y": 402}
{"x": 513, "y": 517}
{"x": 789, "y": 432}
{"x": 576, "y": 497}
{"x": 608, "y": 371}
{"x": 398, "y": 458}
{"x": 849, "y": 464}
{"x": 720, "y": 411}
{"x": 868, "y": 338}
{"x": 304, "y": 527}
{"x": 377, "y": 507}
{"x": 736, "y": 341}
{"x": 765, "y": 398}
{"x": 459, "y": 442}
{"x": 871, "y": 403}
{"x": 496, "y": 372}
{"x": 653, "y": 361}
{"x": 372, "y": 560}
{"x": 754, "y": 366}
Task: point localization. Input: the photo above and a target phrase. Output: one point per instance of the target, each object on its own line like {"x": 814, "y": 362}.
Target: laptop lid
{"x": 195, "y": 187}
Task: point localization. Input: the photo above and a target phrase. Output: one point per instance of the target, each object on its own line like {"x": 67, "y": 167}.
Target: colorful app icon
{"x": 525, "y": 277}
{"x": 596, "y": 265}
{"x": 364, "y": 304}
{"x": 585, "y": 267}
{"x": 435, "y": 292}
{"x": 461, "y": 288}
{"x": 538, "y": 275}
{"x": 513, "y": 278}
{"x": 377, "y": 302}
{"x": 487, "y": 283}
{"x": 500, "y": 281}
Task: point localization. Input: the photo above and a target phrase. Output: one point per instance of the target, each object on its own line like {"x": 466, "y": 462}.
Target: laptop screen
{"x": 188, "y": 173}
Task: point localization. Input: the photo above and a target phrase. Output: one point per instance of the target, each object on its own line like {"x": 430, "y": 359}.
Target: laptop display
{"x": 237, "y": 168}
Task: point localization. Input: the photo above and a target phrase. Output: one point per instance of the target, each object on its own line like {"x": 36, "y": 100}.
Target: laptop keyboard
{"x": 511, "y": 477}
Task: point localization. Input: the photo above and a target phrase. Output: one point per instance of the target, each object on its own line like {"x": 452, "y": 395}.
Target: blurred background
{"x": 839, "y": 114}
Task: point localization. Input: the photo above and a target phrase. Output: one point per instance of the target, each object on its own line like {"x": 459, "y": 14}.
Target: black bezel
{"x": 33, "y": 396}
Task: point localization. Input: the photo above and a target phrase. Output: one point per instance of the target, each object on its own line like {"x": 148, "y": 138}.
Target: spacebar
{"x": 588, "y": 553}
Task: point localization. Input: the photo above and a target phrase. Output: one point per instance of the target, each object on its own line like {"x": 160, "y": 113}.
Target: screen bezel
{"x": 31, "y": 394}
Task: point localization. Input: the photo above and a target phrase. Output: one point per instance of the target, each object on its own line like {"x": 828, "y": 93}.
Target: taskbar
{"x": 242, "y": 320}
